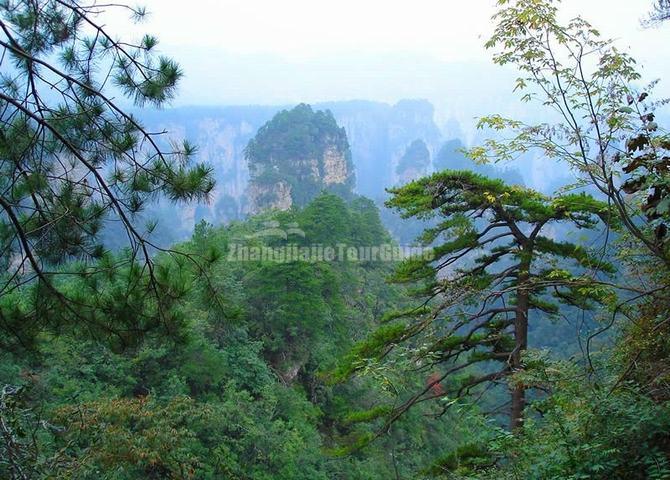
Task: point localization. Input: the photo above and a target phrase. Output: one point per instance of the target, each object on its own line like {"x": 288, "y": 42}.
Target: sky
{"x": 288, "y": 51}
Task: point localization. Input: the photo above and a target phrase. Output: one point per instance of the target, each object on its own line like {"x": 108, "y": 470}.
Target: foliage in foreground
{"x": 74, "y": 160}
{"x": 241, "y": 394}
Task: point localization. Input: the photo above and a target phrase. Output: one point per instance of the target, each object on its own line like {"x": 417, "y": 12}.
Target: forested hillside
{"x": 242, "y": 392}
{"x": 336, "y": 291}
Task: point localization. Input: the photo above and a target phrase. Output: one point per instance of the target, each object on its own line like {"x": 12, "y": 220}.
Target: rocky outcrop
{"x": 294, "y": 157}
{"x": 378, "y": 133}
{"x": 414, "y": 163}
{"x": 335, "y": 167}
{"x": 220, "y": 134}
{"x": 275, "y": 196}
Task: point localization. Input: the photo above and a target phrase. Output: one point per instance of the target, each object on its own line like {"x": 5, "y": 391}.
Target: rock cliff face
{"x": 275, "y": 196}
{"x": 414, "y": 163}
{"x": 378, "y": 134}
{"x": 336, "y": 168}
{"x": 221, "y": 135}
{"x": 294, "y": 157}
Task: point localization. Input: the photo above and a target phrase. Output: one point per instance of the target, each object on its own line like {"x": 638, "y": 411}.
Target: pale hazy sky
{"x": 284, "y": 51}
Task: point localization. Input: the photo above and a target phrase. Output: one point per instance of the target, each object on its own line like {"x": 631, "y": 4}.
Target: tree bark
{"x": 518, "y": 391}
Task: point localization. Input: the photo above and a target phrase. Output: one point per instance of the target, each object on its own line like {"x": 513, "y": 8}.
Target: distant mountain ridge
{"x": 379, "y": 136}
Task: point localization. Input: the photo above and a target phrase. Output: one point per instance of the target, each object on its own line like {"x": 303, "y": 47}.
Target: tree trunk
{"x": 518, "y": 392}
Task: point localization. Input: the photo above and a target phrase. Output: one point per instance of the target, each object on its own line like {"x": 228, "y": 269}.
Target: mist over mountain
{"x": 378, "y": 134}
{"x": 345, "y": 240}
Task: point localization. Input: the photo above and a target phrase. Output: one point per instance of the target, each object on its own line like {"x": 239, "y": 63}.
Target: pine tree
{"x": 494, "y": 270}
{"x": 72, "y": 159}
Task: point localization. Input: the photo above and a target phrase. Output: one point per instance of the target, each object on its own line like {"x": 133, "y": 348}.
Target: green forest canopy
{"x": 181, "y": 363}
